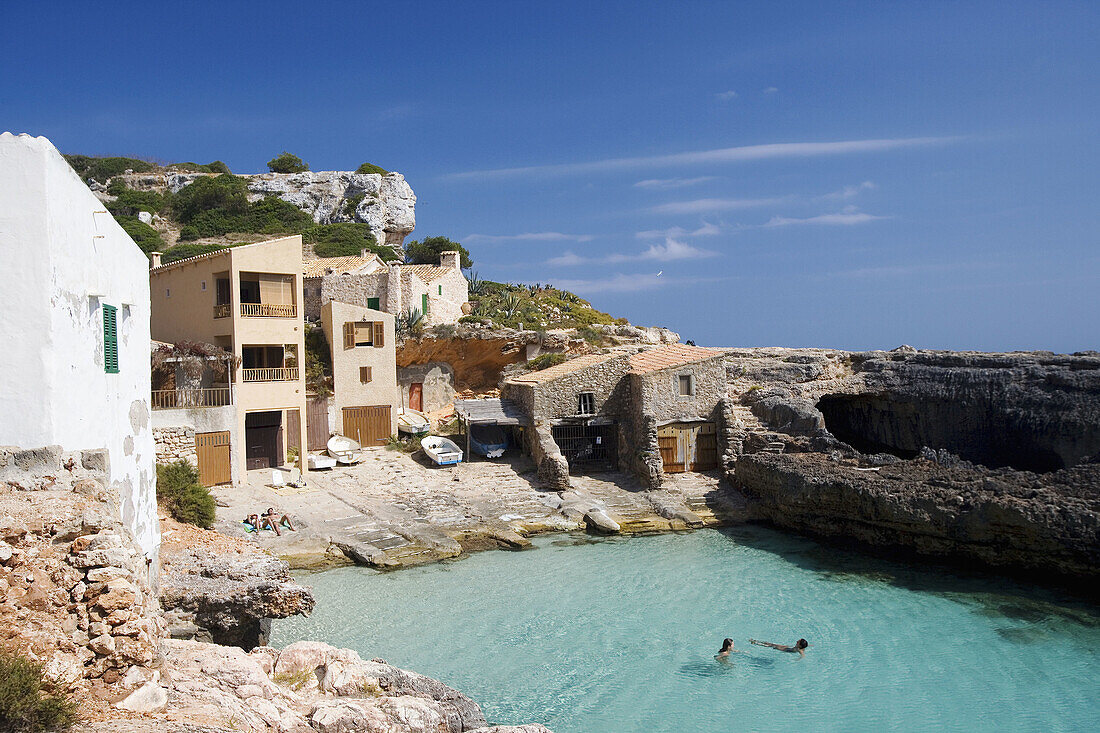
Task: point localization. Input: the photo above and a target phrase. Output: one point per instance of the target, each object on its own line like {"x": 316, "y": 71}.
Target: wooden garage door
{"x": 688, "y": 447}
{"x": 213, "y": 453}
{"x": 368, "y": 425}
{"x": 316, "y": 422}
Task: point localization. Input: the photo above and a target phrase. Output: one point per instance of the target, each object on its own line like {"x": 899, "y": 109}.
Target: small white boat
{"x": 344, "y": 449}
{"x": 444, "y": 452}
{"x": 316, "y": 462}
{"x": 412, "y": 422}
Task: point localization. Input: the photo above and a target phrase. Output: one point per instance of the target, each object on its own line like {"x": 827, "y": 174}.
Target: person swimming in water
{"x": 799, "y": 646}
{"x": 724, "y": 653}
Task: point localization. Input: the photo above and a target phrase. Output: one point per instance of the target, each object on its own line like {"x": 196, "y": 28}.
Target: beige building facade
{"x": 365, "y": 397}
{"x": 247, "y": 300}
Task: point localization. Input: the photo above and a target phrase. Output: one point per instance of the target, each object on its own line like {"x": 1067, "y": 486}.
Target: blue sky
{"x": 850, "y": 175}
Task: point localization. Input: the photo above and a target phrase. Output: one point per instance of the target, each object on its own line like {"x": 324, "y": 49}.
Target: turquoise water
{"x": 618, "y": 635}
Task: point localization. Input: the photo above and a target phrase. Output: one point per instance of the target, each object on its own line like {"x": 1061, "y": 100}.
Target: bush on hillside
{"x": 213, "y": 206}
{"x": 287, "y": 163}
{"x": 351, "y": 203}
{"x": 216, "y": 167}
{"x": 535, "y": 306}
{"x": 184, "y": 251}
{"x": 426, "y": 251}
{"x": 145, "y": 237}
{"x": 371, "y": 168}
{"x": 345, "y": 239}
{"x": 28, "y": 703}
{"x": 225, "y": 193}
{"x": 128, "y": 201}
{"x": 545, "y": 361}
{"x": 179, "y": 491}
{"x": 92, "y": 168}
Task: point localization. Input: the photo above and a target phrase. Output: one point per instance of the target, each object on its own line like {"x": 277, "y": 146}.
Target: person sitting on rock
{"x": 272, "y": 520}
{"x": 799, "y": 646}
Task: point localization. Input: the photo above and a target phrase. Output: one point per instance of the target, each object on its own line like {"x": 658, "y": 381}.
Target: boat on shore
{"x": 443, "y": 451}
{"x": 412, "y": 422}
{"x": 344, "y": 449}
{"x": 488, "y": 440}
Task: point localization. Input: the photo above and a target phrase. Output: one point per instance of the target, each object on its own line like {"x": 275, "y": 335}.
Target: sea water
{"x": 619, "y": 635}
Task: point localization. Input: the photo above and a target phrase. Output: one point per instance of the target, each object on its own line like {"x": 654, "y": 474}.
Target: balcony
{"x": 172, "y": 399}
{"x": 267, "y": 310}
{"x": 223, "y": 310}
{"x": 270, "y": 374}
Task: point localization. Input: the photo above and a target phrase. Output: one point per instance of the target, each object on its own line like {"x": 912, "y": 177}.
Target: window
{"x": 364, "y": 374}
{"x": 372, "y": 303}
{"x": 364, "y": 333}
{"x": 168, "y": 292}
{"x": 687, "y": 385}
{"x": 222, "y": 285}
{"x": 110, "y": 339}
{"x": 441, "y": 290}
{"x": 586, "y": 403}
{"x": 204, "y": 285}
{"x": 424, "y": 304}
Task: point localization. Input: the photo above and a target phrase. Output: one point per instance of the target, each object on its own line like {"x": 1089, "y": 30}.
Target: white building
{"x": 76, "y": 295}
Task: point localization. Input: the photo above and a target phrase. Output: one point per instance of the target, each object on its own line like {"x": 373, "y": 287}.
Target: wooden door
{"x": 416, "y": 396}
{"x": 706, "y": 447}
{"x": 293, "y": 430}
{"x": 672, "y": 448}
{"x": 317, "y": 423}
{"x": 370, "y": 426}
{"x": 213, "y": 454}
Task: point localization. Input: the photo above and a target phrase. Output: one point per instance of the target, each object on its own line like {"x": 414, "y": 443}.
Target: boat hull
{"x": 442, "y": 451}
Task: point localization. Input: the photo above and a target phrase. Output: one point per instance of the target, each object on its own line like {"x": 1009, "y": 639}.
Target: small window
{"x": 204, "y": 285}
{"x": 687, "y": 385}
{"x": 358, "y": 334}
{"x": 586, "y": 403}
{"x": 364, "y": 374}
{"x": 110, "y": 339}
{"x": 168, "y": 292}
{"x": 441, "y": 290}
{"x": 372, "y": 303}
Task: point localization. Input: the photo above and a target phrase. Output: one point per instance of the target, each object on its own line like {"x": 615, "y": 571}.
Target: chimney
{"x": 364, "y": 253}
{"x": 155, "y": 261}
{"x": 450, "y": 259}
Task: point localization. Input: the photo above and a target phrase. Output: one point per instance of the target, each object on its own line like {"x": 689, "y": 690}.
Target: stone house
{"x": 658, "y": 411}
{"x": 365, "y": 399}
{"x": 246, "y": 300}
{"x": 75, "y": 393}
{"x": 438, "y": 291}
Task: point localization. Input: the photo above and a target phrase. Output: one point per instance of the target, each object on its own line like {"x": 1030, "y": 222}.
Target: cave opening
{"x": 972, "y": 429}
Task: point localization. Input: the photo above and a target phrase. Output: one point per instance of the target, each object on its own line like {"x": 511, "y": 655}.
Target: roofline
{"x": 218, "y": 252}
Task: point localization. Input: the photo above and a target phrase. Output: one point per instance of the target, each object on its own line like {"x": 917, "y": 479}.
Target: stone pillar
{"x": 393, "y": 290}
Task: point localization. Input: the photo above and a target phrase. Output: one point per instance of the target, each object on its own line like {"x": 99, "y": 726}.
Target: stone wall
{"x": 558, "y": 398}
{"x": 438, "y": 379}
{"x": 175, "y": 444}
{"x": 353, "y": 289}
{"x": 446, "y": 296}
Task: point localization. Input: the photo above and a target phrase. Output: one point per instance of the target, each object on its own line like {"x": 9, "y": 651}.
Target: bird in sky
{"x": 660, "y": 273}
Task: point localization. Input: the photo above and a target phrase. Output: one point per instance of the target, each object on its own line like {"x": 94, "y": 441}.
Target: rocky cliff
{"x": 386, "y": 203}
{"x": 988, "y": 458}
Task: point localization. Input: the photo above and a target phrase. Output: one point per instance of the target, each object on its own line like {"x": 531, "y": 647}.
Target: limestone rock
{"x": 149, "y": 698}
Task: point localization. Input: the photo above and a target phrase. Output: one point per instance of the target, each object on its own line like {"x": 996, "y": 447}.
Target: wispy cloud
{"x": 849, "y": 192}
{"x": 847, "y": 217}
{"x": 705, "y": 230}
{"x": 703, "y": 206}
{"x": 671, "y": 251}
{"x": 770, "y": 90}
{"x": 720, "y": 155}
{"x": 530, "y": 237}
{"x": 623, "y": 283}
{"x": 663, "y": 184}
{"x": 726, "y": 96}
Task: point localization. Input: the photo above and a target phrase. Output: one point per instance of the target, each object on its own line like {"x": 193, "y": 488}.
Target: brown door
{"x": 367, "y": 425}
{"x": 706, "y": 447}
{"x": 672, "y": 449}
{"x": 317, "y": 423}
{"x": 416, "y": 396}
{"x": 213, "y": 454}
{"x": 262, "y": 439}
{"x": 293, "y": 429}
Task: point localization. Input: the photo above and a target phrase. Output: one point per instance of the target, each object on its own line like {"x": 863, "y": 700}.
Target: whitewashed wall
{"x": 66, "y": 257}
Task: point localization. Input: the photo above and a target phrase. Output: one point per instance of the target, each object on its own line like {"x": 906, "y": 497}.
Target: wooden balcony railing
{"x": 170, "y": 399}
{"x": 269, "y": 310}
{"x": 223, "y": 310}
{"x": 279, "y": 374}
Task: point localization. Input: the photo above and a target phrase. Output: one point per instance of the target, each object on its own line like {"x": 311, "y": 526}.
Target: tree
{"x": 426, "y": 252}
{"x": 287, "y": 163}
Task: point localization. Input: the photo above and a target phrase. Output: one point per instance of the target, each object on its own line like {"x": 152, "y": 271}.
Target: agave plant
{"x": 476, "y": 284}
{"x": 409, "y": 323}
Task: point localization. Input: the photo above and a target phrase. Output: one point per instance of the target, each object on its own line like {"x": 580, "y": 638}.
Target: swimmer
{"x": 724, "y": 653}
{"x": 799, "y": 646}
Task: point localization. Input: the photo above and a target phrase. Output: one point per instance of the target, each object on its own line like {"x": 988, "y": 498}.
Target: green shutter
{"x": 424, "y": 303}
{"x": 110, "y": 339}
{"x": 372, "y": 303}
{"x": 441, "y": 290}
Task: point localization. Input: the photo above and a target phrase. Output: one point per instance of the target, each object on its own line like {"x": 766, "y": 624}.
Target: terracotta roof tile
{"x": 427, "y": 273}
{"x": 673, "y": 355}
{"x": 560, "y": 370}
{"x": 339, "y": 265}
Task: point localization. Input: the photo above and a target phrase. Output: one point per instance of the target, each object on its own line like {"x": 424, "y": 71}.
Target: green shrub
{"x": 102, "y": 169}
{"x": 287, "y": 163}
{"x": 371, "y": 168}
{"x": 218, "y": 167}
{"x": 128, "y": 201}
{"x": 145, "y": 237}
{"x": 545, "y": 361}
{"x": 179, "y": 490}
{"x": 28, "y": 704}
{"x": 426, "y": 251}
{"x": 345, "y": 239}
{"x": 351, "y": 203}
{"x": 225, "y": 193}
{"x": 318, "y": 362}
{"x": 184, "y": 251}
{"x": 219, "y": 205}
{"x": 591, "y": 335}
